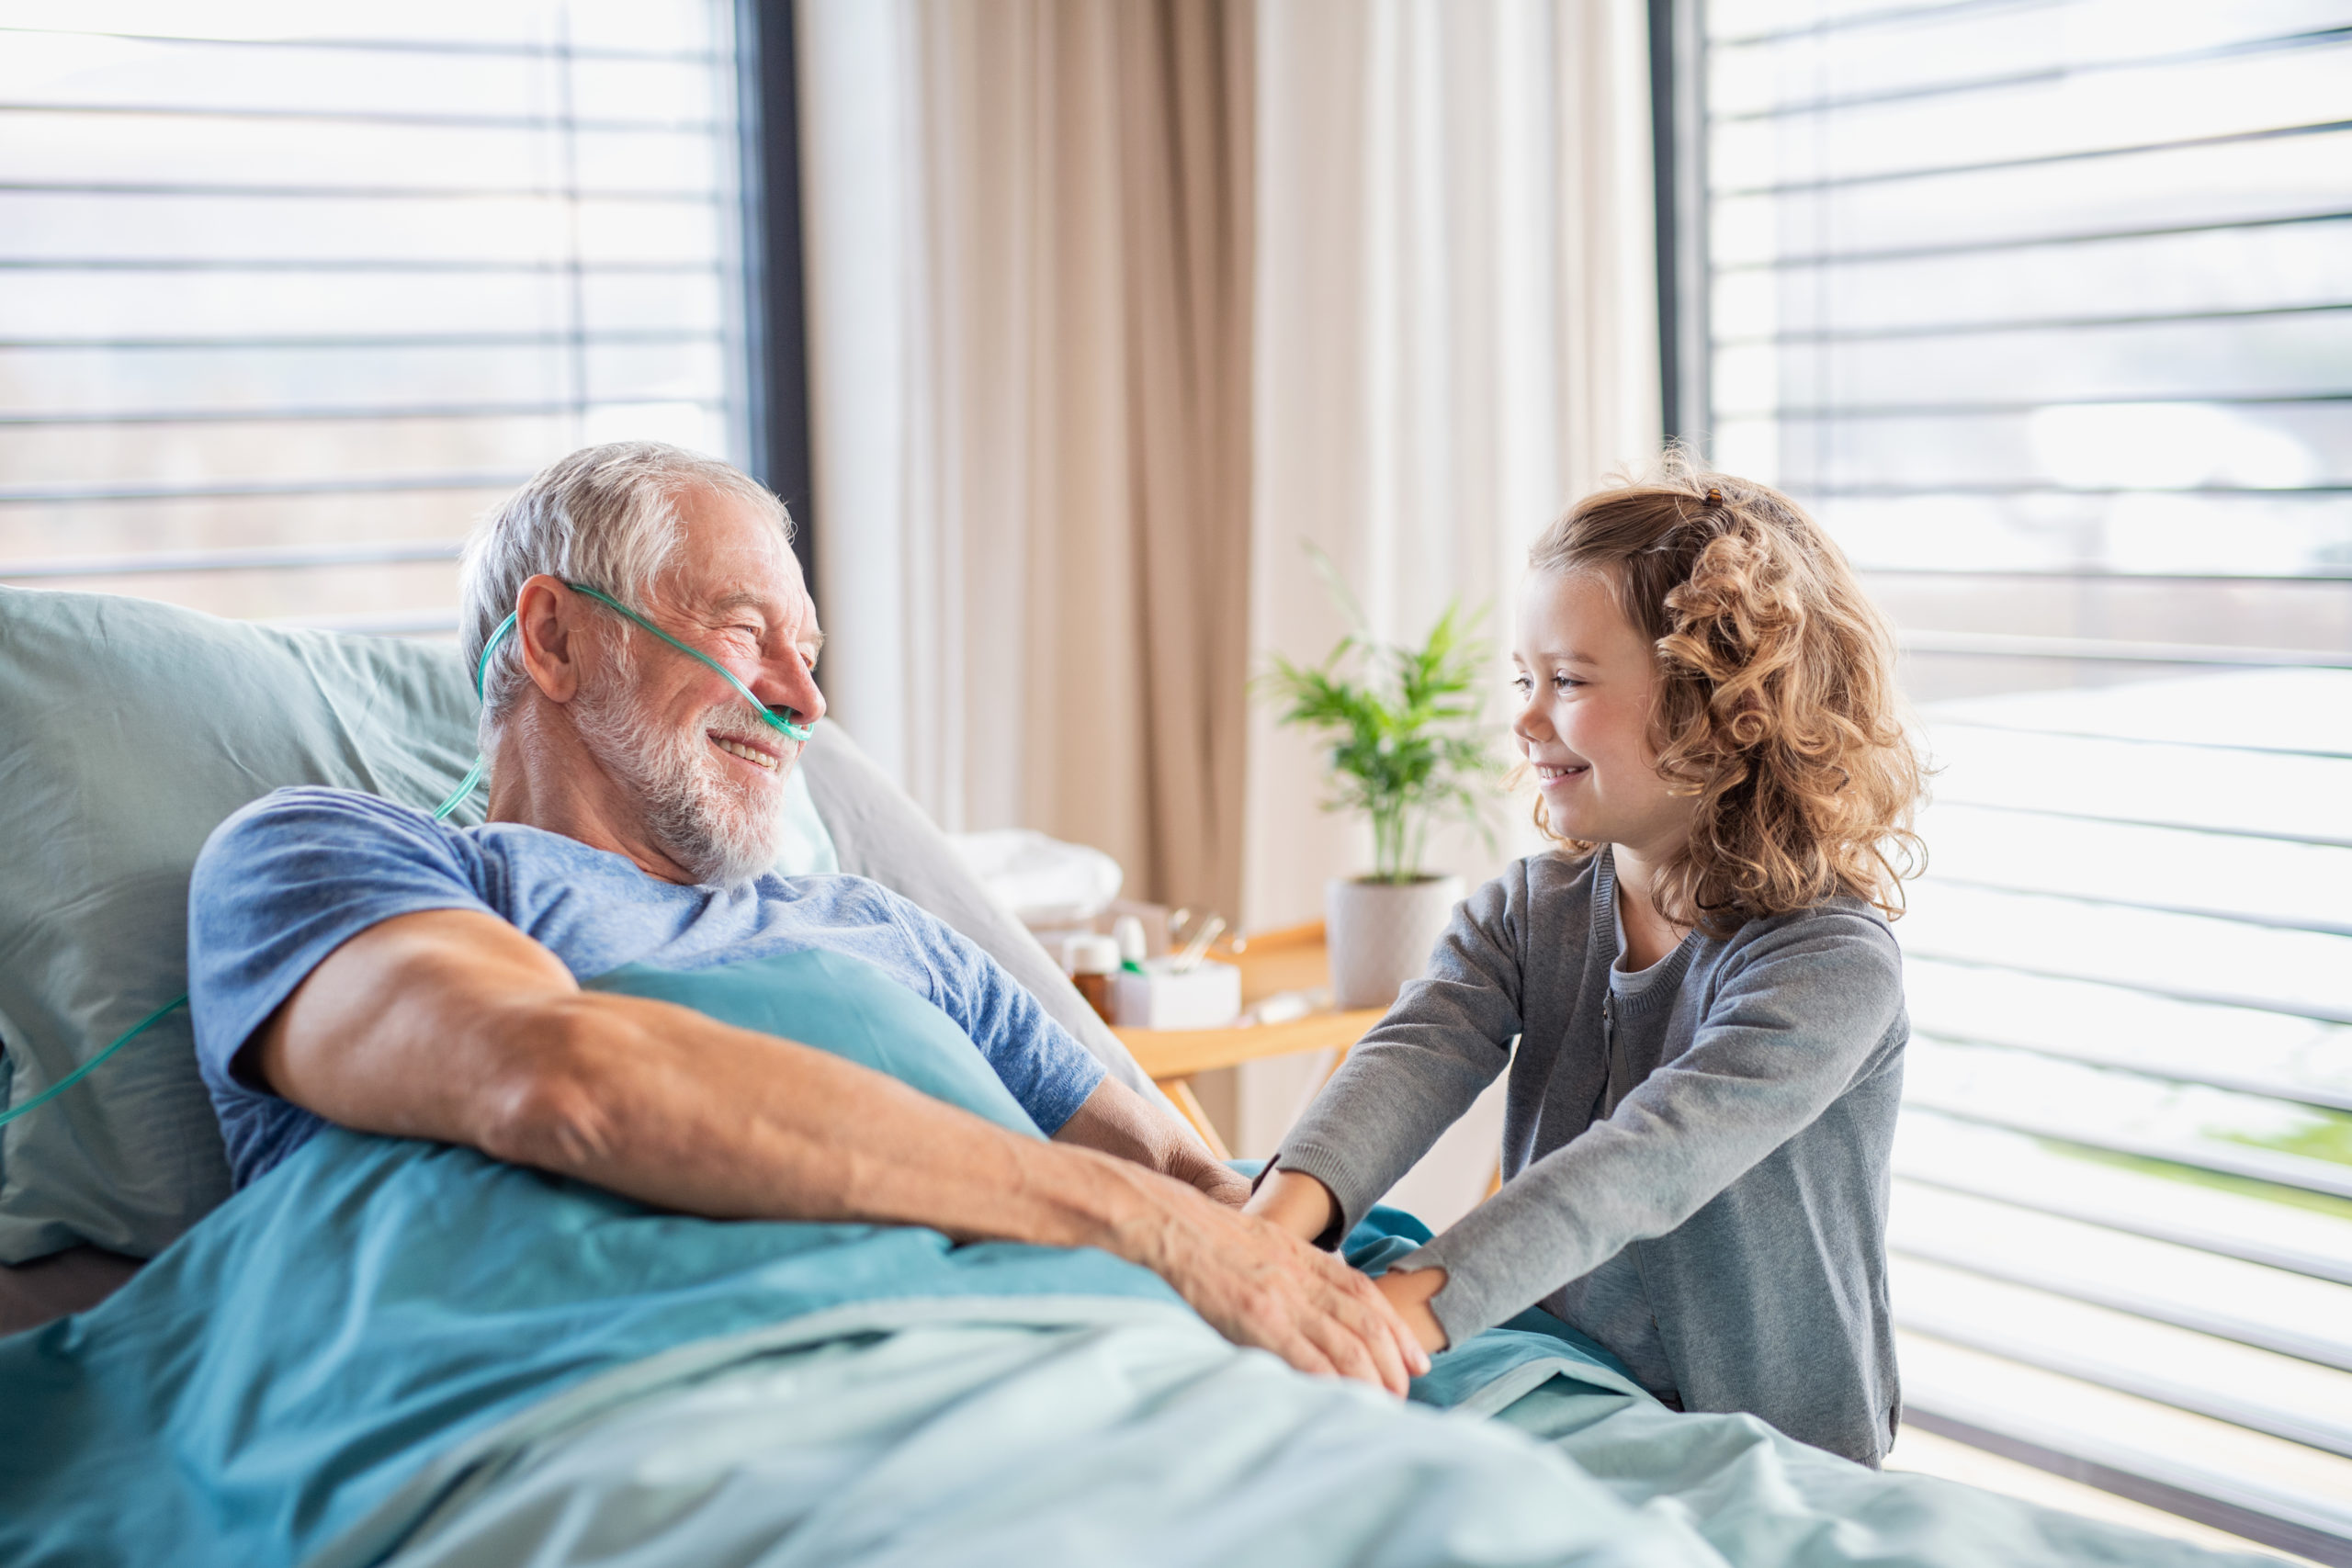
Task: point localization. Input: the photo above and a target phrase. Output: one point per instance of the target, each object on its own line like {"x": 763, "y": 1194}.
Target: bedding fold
{"x": 325, "y": 1333}
{"x": 398, "y": 1351}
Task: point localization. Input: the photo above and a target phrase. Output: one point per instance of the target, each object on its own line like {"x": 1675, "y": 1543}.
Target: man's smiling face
{"x": 705, "y": 772}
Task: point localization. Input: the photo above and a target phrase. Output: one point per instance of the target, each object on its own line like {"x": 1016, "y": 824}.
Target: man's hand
{"x": 1254, "y": 1283}
{"x": 1220, "y": 1181}
{"x": 1407, "y": 1292}
{"x": 1257, "y": 1285}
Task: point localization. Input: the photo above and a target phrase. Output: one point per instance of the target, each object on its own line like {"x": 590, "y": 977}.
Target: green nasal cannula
{"x": 785, "y": 720}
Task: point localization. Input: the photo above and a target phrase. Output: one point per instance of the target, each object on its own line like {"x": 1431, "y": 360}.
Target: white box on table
{"x": 1208, "y": 996}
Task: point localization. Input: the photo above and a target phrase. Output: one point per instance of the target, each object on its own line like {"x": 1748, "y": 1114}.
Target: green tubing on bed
{"x": 440, "y": 814}
{"x": 86, "y": 1068}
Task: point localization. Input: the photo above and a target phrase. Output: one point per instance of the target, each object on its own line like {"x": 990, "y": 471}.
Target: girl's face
{"x": 1587, "y": 683}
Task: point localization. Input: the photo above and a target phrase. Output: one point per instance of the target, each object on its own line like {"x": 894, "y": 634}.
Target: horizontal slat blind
{"x": 2045, "y": 307}
{"x": 289, "y": 293}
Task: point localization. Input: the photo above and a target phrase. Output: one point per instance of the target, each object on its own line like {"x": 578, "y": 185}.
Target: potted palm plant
{"x": 1407, "y": 750}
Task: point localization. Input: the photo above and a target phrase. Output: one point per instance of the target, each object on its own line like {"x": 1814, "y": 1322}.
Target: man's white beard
{"x": 724, "y": 830}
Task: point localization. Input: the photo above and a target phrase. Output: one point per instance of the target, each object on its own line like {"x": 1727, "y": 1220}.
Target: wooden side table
{"x": 1292, "y": 959}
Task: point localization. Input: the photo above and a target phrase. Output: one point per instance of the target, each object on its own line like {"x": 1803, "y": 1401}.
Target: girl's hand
{"x": 1293, "y": 1201}
{"x": 1408, "y": 1291}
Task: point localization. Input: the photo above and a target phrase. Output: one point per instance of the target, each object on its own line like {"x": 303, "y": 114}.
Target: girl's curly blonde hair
{"x": 1777, "y": 705}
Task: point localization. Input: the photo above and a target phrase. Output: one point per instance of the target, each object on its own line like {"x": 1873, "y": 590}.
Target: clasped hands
{"x": 1278, "y": 1292}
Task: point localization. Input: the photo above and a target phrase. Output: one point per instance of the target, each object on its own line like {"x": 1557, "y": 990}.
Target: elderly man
{"x": 352, "y": 960}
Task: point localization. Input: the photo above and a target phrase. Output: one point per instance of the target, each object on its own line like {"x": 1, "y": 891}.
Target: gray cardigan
{"x": 1738, "y": 1152}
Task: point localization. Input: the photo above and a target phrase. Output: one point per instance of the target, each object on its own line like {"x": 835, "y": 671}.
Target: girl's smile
{"x": 1588, "y": 684}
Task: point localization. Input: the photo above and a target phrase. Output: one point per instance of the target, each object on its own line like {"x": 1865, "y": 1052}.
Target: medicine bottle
{"x": 1092, "y": 962}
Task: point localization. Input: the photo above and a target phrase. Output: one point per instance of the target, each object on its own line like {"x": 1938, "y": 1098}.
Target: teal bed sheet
{"x": 389, "y": 1350}
{"x": 310, "y": 1344}
{"x": 1127, "y": 1435}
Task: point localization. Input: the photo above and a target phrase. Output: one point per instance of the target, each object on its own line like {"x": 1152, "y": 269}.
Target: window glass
{"x": 2044, "y": 307}
{"x": 294, "y": 291}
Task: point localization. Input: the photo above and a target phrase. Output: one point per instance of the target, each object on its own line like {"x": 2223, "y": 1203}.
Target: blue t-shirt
{"x": 300, "y": 872}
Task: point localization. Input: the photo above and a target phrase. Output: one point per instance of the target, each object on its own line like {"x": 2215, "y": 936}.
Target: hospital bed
{"x": 393, "y": 1352}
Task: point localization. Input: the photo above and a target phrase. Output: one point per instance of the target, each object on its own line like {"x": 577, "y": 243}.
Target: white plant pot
{"x": 1380, "y": 934}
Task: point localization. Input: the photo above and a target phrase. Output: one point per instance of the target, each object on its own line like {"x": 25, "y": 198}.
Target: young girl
{"x": 1707, "y": 1001}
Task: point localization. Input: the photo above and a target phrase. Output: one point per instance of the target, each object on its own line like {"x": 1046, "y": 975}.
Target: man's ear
{"x": 545, "y": 622}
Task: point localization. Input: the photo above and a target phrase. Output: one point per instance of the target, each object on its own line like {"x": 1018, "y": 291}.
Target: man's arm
{"x": 1034, "y": 1056}
{"x": 1117, "y": 1121}
{"x": 453, "y": 1025}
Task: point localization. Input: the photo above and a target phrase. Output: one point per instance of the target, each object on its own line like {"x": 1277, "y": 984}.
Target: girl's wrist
{"x": 1295, "y": 1202}
{"x": 1408, "y": 1291}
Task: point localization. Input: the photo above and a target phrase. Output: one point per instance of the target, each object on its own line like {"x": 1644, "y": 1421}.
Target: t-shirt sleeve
{"x": 287, "y": 880}
{"x": 1041, "y": 1063}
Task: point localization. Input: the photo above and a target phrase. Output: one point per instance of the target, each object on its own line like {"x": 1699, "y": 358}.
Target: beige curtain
{"x": 1115, "y": 302}
{"x": 1029, "y": 276}
{"x": 1456, "y": 337}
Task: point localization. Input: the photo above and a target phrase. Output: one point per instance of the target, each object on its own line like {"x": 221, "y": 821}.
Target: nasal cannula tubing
{"x": 785, "y": 720}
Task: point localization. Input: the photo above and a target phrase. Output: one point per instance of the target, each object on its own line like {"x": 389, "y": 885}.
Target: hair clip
{"x": 1714, "y": 496}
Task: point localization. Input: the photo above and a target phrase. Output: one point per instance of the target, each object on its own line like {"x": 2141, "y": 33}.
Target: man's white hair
{"x": 606, "y": 517}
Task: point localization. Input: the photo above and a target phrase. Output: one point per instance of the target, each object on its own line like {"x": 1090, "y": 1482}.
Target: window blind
{"x": 289, "y": 293}
{"x": 2044, "y": 307}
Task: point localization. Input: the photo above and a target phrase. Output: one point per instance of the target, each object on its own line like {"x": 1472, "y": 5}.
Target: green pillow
{"x": 842, "y": 1005}
{"x": 128, "y": 729}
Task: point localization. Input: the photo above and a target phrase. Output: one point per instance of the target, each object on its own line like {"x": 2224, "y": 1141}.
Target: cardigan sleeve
{"x": 1795, "y": 1016}
{"x": 1409, "y": 1079}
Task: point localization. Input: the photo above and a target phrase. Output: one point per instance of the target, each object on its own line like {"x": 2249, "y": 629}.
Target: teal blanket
{"x": 396, "y": 1350}
{"x": 306, "y": 1347}
{"x": 391, "y": 1348}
